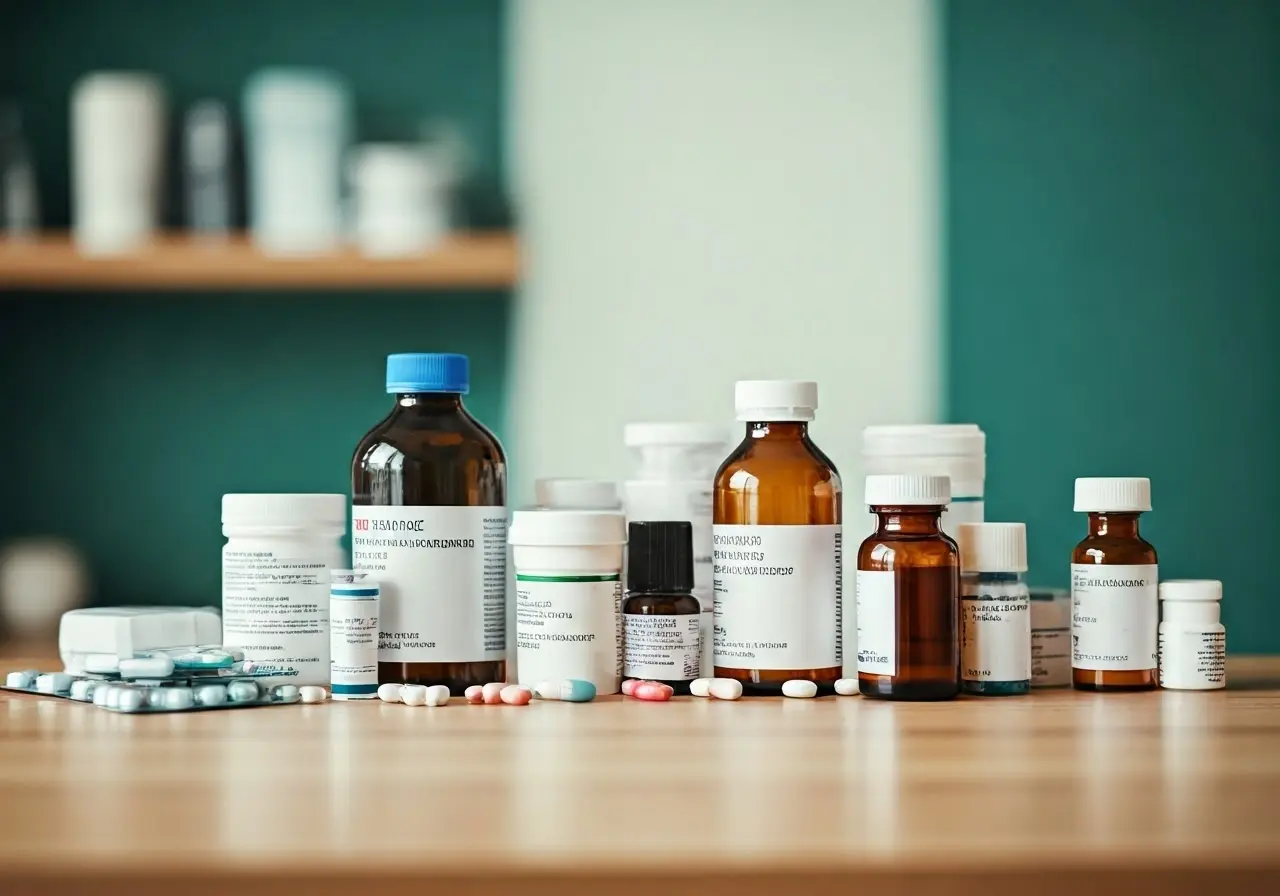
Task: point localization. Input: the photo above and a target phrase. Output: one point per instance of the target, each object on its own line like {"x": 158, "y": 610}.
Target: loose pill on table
{"x": 82, "y": 689}
{"x": 54, "y": 683}
{"x": 576, "y": 690}
{"x": 493, "y": 692}
{"x": 474, "y": 694}
{"x": 413, "y": 695}
{"x": 799, "y": 687}
{"x": 284, "y": 693}
{"x": 546, "y": 690}
{"x": 210, "y": 694}
{"x": 311, "y": 693}
{"x": 514, "y": 695}
{"x": 437, "y": 695}
{"x": 178, "y": 698}
{"x": 131, "y": 700}
{"x": 629, "y": 687}
{"x": 701, "y": 687}
{"x": 389, "y": 692}
{"x": 725, "y": 688}
{"x": 649, "y": 690}
{"x": 102, "y": 663}
{"x": 244, "y": 691}
{"x": 847, "y": 687}
{"x": 19, "y": 680}
{"x": 159, "y": 666}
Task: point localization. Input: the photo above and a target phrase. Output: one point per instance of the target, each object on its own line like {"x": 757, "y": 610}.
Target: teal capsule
{"x": 575, "y": 690}
{"x": 212, "y": 659}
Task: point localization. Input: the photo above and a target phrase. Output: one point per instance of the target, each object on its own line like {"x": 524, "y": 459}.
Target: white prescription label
{"x": 1115, "y": 613}
{"x": 353, "y": 639}
{"x": 995, "y": 632}
{"x": 777, "y": 597}
{"x": 877, "y": 612}
{"x": 1050, "y": 657}
{"x": 569, "y": 626}
{"x": 276, "y": 609}
{"x": 661, "y": 647}
{"x": 1192, "y": 660}
{"x": 443, "y": 573}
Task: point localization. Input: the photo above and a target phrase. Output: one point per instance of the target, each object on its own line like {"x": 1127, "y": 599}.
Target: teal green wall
{"x": 126, "y": 416}
{"x": 1113, "y": 240}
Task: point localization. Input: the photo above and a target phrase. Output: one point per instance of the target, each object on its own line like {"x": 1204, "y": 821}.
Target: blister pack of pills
{"x": 179, "y": 664}
{"x": 143, "y": 696}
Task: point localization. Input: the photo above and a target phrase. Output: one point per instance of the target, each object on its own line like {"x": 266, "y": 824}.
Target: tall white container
{"x": 957, "y": 451}
{"x": 275, "y": 578}
{"x": 117, "y": 153}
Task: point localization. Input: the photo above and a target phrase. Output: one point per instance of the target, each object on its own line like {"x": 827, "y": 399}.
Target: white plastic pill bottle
{"x": 675, "y": 471}
{"x": 568, "y": 566}
{"x": 1193, "y": 640}
{"x": 275, "y": 579}
{"x": 569, "y": 493}
{"x": 958, "y": 451}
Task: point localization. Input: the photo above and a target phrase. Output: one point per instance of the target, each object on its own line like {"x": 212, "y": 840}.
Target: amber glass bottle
{"x": 429, "y": 523}
{"x": 1115, "y": 610}
{"x": 776, "y": 533}
{"x": 908, "y": 587}
{"x": 661, "y": 619}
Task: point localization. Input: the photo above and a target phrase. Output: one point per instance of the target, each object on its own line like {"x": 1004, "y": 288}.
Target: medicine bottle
{"x": 955, "y": 450}
{"x": 907, "y": 588}
{"x": 576, "y": 494}
{"x": 676, "y": 464}
{"x": 1114, "y": 598}
{"x": 776, "y": 533}
{"x": 353, "y": 635}
{"x": 429, "y": 524}
{"x": 661, "y": 638}
{"x": 568, "y": 567}
{"x": 995, "y": 611}
{"x": 1193, "y": 641}
{"x": 275, "y": 579}
{"x": 1050, "y": 638}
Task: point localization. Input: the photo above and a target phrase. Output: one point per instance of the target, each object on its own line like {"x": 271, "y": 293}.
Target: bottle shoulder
{"x": 887, "y": 551}
{"x": 1103, "y": 550}
{"x": 761, "y": 463}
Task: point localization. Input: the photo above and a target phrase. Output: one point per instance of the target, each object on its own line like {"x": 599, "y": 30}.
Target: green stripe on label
{"x": 964, "y": 499}
{"x": 613, "y": 578}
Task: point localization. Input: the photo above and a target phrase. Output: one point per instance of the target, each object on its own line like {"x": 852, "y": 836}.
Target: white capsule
{"x": 799, "y": 687}
{"x": 54, "y": 683}
{"x": 389, "y": 693}
{"x": 725, "y": 688}
{"x": 285, "y": 693}
{"x": 155, "y": 698}
{"x": 159, "y": 666}
{"x": 243, "y": 691}
{"x": 437, "y": 695}
{"x": 19, "y": 680}
{"x": 847, "y": 687}
{"x": 102, "y": 663}
{"x": 178, "y": 698}
{"x": 413, "y": 694}
{"x": 311, "y": 693}
{"x": 101, "y": 693}
{"x": 131, "y": 700}
{"x": 701, "y": 687}
{"x": 210, "y": 695}
{"x": 82, "y": 689}
{"x": 113, "y": 697}
{"x": 546, "y": 690}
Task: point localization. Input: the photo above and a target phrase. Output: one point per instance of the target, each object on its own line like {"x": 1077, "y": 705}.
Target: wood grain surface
{"x": 1058, "y": 792}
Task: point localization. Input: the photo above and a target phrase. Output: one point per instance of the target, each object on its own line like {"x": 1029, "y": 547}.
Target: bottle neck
{"x": 908, "y": 520}
{"x": 428, "y": 402}
{"x": 778, "y": 431}
{"x": 1114, "y": 525}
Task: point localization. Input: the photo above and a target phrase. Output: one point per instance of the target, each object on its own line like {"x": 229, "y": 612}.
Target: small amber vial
{"x": 1115, "y": 596}
{"x": 429, "y": 524}
{"x": 776, "y": 546}
{"x": 661, "y": 619}
{"x": 908, "y": 587}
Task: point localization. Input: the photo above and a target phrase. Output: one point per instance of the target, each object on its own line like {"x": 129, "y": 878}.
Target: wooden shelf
{"x": 51, "y": 262}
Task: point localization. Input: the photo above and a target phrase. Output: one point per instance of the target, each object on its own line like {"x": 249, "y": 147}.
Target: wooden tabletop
{"x": 1058, "y": 792}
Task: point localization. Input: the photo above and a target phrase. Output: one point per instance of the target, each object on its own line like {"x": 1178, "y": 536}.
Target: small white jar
{"x": 568, "y": 569}
{"x": 1193, "y": 640}
{"x": 275, "y": 579}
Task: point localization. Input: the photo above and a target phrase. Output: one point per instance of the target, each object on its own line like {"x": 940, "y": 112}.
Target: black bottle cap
{"x": 660, "y": 556}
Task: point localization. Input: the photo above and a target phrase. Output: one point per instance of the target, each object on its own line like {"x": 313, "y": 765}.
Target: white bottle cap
{"x": 576, "y": 494}
{"x": 638, "y": 435}
{"x": 775, "y": 400}
{"x": 928, "y": 439}
{"x": 1191, "y": 589}
{"x": 568, "y": 528}
{"x": 993, "y": 547}
{"x": 285, "y": 511}
{"x": 907, "y": 490}
{"x": 1118, "y": 494}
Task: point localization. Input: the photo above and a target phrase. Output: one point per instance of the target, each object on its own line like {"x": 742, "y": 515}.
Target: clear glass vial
{"x": 995, "y": 609}
{"x": 908, "y": 586}
{"x": 1114, "y": 600}
{"x": 1193, "y": 640}
{"x": 776, "y": 545}
{"x": 661, "y": 638}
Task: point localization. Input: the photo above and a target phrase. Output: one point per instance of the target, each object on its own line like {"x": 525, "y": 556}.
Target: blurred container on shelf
{"x": 207, "y": 170}
{"x": 19, "y": 196}
{"x": 444, "y": 140}
{"x": 297, "y": 130}
{"x": 40, "y": 579}
{"x": 117, "y": 144}
{"x": 400, "y": 198}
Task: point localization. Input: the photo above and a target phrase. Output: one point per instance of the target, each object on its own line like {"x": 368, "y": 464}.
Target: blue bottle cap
{"x": 428, "y": 372}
